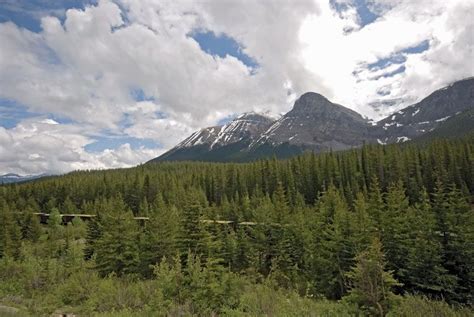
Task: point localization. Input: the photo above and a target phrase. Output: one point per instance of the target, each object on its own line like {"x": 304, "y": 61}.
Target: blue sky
{"x": 28, "y": 13}
{"x": 128, "y": 77}
{"x": 222, "y": 45}
{"x": 366, "y": 16}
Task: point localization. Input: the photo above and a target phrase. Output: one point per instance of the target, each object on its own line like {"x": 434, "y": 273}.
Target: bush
{"x": 267, "y": 300}
{"x": 414, "y": 306}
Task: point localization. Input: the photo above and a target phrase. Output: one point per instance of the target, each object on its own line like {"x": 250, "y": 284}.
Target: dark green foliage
{"x": 159, "y": 237}
{"x": 93, "y": 233}
{"x": 117, "y": 249}
{"x": 371, "y": 284}
{"x": 297, "y": 230}
{"x": 31, "y": 227}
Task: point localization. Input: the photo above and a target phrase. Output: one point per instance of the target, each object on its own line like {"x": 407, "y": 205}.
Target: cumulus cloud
{"x": 343, "y": 59}
{"x": 85, "y": 66}
{"x": 41, "y": 145}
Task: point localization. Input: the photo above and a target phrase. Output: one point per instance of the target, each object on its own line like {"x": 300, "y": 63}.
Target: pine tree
{"x": 423, "y": 270}
{"x": 93, "y": 233}
{"x": 395, "y": 229}
{"x": 363, "y": 224}
{"x": 280, "y": 202}
{"x": 334, "y": 242}
{"x": 375, "y": 202}
{"x": 370, "y": 284}
{"x": 159, "y": 237}
{"x": 31, "y": 227}
{"x": 55, "y": 232}
{"x": 117, "y": 249}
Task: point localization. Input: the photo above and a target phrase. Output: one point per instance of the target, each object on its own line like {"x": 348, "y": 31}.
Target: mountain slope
{"x": 454, "y": 127}
{"x": 428, "y": 114}
{"x": 316, "y": 124}
{"x": 220, "y": 142}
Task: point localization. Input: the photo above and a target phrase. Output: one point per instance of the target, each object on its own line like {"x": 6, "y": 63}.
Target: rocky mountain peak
{"x": 322, "y": 109}
{"x": 310, "y": 102}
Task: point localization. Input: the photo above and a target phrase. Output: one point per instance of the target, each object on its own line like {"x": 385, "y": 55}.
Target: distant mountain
{"x": 316, "y": 124}
{"x": 15, "y": 178}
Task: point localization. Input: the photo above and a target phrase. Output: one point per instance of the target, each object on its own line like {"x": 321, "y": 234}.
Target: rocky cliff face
{"x": 317, "y": 124}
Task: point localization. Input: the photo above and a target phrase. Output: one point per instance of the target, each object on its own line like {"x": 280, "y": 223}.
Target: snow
{"x": 372, "y": 122}
{"x": 443, "y": 119}
{"x": 416, "y": 111}
{"x": 199, "y": 141}
{"x": 381, "y": 142}
{"x": 424, "y": 122}
{"x": 402, "y": 139}
{"x": 189, "y": 141}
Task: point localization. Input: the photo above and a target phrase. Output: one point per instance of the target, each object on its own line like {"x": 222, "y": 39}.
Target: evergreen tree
{"x": 117, "y": 249}
{"x": 31, "y": 227}
{"x": 423, "y": 271}
{"x": 395, "y": 229}
{"x": 370, "y": 284}
{"x": 159, "y": 237}
{"x": 55, "y": 232}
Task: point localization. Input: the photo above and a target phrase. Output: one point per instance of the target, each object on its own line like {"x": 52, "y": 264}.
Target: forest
{"x": 374, "y": 231}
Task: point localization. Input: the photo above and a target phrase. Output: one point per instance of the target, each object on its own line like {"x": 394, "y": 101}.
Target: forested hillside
{"x": 381, "y": 230}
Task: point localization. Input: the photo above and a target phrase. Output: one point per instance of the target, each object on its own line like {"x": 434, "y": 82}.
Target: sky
{"x": 109, "y": 84}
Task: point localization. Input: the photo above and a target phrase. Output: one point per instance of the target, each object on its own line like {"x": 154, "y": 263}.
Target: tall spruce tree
{"x": 370, "y": 284}
{"x": 117, "y": 249}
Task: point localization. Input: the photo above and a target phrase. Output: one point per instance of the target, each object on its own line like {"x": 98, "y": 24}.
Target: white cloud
{"x": 39, "y": 145}
{"x": 84, "y": 69}
{"x": 335, "y": 55}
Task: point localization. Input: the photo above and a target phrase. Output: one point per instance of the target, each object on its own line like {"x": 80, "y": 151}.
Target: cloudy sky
{"x": 88, "y": 84}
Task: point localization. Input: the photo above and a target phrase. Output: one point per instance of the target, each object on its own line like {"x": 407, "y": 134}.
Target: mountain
{"x": 220, "y": 142}
{"x": 15, "y": 178}
{"x": 428, "y": 114}
{"x": 316, "y": 124}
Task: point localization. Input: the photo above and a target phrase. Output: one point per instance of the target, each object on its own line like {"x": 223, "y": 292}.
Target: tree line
{"x": 398, "y": 217}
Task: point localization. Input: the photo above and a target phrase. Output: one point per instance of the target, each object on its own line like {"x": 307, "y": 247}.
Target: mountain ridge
{"x": 317, "y": 124}
{"x": 10, "y": 178}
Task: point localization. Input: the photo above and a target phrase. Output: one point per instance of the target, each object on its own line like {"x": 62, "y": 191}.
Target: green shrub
{"x": 415, "y": 306}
